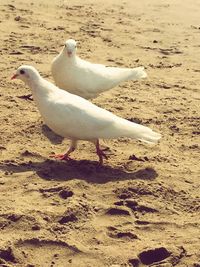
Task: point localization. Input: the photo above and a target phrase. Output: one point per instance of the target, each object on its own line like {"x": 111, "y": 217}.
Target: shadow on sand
{"x": 53, "y": 138}
{"x": 89, "y": 171}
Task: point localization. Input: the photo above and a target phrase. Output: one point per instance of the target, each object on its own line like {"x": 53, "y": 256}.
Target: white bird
{"x": 86, "y": 79}
{"x": 76, "y": 118}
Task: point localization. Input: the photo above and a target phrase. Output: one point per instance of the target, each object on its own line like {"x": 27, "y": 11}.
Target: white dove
{"x": 86, "y": 79}
{"x": 76, "y": 118}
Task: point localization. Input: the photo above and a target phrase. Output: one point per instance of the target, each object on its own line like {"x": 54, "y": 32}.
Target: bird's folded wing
{"x": 84, "y": 118}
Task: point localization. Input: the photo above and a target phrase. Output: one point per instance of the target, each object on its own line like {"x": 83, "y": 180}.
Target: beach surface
{"x": 142, "y": 208}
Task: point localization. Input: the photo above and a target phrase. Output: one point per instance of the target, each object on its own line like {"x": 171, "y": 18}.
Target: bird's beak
{"x": 14, "y": 76}
{"x": 69, "y": 53}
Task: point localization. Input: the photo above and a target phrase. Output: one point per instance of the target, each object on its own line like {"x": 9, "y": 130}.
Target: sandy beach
{"x": 142, "y": 207}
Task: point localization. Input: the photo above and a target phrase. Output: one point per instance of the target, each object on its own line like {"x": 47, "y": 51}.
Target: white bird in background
{"x": 76, "y": 118}
{"x": 86, "y": 79}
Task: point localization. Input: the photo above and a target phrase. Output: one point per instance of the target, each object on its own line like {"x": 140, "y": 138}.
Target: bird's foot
{"x": 60, "y": 156}
{"x": 106, "y": 148}
{"x": 101, "y": 156}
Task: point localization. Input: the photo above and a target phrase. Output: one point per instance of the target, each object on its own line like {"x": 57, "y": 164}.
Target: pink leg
{"x": 66, "y": 155}
{"x": 61, "y": 156}
{"x": 100, "y": 153}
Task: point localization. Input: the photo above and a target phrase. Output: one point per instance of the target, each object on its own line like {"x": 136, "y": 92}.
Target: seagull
{"x": 88, "y": 80}
{"x": 76, "y": 118}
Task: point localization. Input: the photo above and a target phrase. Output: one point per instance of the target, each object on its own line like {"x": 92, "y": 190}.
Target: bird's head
{"x": 26, "y": 73}
{"x": 70, "y": 47}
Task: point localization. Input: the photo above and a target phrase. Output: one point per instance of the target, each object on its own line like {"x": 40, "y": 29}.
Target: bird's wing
{"x": 98, "y": 78}
{"x": 82, "y": 119}
{"x": 74, "y": 117}
{"x": 93, "y": 79}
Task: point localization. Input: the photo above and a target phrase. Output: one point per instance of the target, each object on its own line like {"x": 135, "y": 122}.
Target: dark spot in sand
{"x": 117, "y": 211}
{"x": 68, "y": 218}
{"x": 154, "y": 255}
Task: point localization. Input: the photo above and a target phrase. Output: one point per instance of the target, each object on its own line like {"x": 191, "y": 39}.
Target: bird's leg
{"x": 66, "y": 155}
{"x": 100, "y": 153}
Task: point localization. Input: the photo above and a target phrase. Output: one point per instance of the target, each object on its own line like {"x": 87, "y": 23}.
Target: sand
{"x": 142, "y": 207}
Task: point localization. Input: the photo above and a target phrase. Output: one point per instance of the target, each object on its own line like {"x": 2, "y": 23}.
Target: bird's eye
{"x": 22, "y": 71}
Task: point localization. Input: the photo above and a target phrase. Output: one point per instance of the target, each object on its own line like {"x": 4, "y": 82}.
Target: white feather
{"x": 76, "y": 118}
{"x": 86, "y": 79}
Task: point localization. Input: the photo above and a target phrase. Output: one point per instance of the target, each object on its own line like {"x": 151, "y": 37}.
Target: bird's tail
{"x": 145, "y": 134}
{"x": 149, "y": 136}
{"x": 137, "y": 131}
{"x": 138, "y": 73}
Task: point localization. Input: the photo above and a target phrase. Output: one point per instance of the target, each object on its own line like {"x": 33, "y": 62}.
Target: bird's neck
{"x": 39, "y": 87}
{"x": 67, "y": 58}
{"x": 33, "y": 83}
